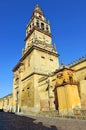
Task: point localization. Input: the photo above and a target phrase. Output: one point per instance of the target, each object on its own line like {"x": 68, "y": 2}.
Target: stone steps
{"x": 48, "y": 113}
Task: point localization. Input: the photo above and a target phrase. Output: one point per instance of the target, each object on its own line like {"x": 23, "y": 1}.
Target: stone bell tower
{"x": 38, "y": 28}
{"x": 39, "y": 58}
{"x": 39, "y": 37}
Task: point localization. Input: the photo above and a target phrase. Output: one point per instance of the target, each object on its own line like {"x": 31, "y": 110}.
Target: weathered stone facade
{"x": 38, "y": 58}
{"x": 80, "y": 70}
{"x": 59, "y": 91}
{"x": 6, "y": 103}
{"x": 39, "y": 83}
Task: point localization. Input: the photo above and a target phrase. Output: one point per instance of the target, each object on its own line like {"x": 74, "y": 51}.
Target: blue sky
{"x": 68, "y": 26}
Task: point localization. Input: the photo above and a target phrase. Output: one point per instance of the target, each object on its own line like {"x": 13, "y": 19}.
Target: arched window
{"x": 47, "y": 29}
{"x": 71, "y": 79}
{"x": 42, "y": 26}
{"x": 17, "y": 80}
{"x": 37, "y": 23}
{"x": 30, "y": 26}
{"x": 40, "y": 16}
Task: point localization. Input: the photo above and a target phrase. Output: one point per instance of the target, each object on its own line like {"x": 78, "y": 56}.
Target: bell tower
{"x": 38, "y": 28}
{"x": 39, "y": 58}
{"x": 39, "y": 38}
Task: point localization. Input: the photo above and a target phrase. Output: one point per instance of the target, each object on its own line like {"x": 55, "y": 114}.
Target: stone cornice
{"x": 40, "y": 30}
{"x": 33, "y": 74}
{"x": 40, "y": 49}
{"x": 81, "y": 60}
{"x": 29, "y": 51}
{"x": 16, "y": 66}
{"x": 63, "y": 68}
{"x": 64, "y": 84}
{"x": 9, "y": 95}
{"x": 80, "y": 69}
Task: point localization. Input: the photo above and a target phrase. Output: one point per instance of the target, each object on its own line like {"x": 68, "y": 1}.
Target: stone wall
{"x": 80, "y": 70}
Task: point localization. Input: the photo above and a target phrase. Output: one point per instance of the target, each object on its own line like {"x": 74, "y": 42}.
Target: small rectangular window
{"x": 43, "y": 57}
{"x": 51, "y": 59}
{"x": 53, "y": 79}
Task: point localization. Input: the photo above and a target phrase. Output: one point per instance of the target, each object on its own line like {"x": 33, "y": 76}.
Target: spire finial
{"x": 62, "y": 64}
{"x": 37, "y": 5}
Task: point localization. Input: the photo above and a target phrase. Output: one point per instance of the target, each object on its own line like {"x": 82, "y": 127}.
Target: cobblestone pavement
{"x": 9, "y": 121}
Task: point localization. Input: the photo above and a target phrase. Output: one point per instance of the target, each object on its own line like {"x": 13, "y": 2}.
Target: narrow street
{"x": 9, "y": 121}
